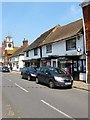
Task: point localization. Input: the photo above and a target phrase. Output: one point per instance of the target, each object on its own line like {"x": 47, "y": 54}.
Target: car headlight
{"x": 59, "y": 79}
{"x": 33, "y": 75}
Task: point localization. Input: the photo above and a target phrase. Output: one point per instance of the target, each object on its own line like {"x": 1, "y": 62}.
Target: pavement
{"x": 81, "y": 85}
{"x": 76, "y": 84}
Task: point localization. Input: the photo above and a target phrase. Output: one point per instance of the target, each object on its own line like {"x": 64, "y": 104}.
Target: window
{"x": 35, "y": 51}
{"x": 80, "y": 66}
{"x": 49, "y": 48}
{"x": 71, "y": 44}
{"x": 27, "y": 54}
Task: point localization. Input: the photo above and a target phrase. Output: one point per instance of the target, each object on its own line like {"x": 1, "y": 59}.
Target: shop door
{"x": 75, "y": 72}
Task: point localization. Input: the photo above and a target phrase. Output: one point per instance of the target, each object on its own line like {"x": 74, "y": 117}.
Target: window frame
{"x": 27, "y": 53}
{"x": 35, "y": 51}
{"x": 70, "y": 45}
{"x": 49, "y": 48}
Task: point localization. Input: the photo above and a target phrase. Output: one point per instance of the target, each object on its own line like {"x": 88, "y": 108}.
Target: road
{"x": 26, "y": 99}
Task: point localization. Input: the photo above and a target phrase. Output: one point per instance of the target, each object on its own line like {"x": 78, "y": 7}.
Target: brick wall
{"x": 86, "y": 14}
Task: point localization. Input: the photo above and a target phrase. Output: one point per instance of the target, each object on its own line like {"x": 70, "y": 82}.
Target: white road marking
{"x": 58, "y": 110}
{"x": 21, "y": 87}
{"x": 8, "y": 79}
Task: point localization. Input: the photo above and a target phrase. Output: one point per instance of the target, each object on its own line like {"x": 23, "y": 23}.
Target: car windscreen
{"x": 32, "y": 69}
{"x": 5, "y": 68}
{"x": 56, "y": 71}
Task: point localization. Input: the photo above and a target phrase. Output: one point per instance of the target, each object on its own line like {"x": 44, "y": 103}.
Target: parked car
{"x": 53, "y": 77}
{"x": 5, "y": 69}
{"x": 0, "y": 68}
{"x": 29, "y": 73}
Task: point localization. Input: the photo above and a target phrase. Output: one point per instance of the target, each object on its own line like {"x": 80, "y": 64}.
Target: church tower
{"x": 9, "y": 45}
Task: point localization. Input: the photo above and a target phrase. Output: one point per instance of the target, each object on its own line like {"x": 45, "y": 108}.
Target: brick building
{"x": 7, "y": 50}
{"x": 86, "y": 15}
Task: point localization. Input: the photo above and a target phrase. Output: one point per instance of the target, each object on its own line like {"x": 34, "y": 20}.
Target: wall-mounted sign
{"x": 78, "y": 49}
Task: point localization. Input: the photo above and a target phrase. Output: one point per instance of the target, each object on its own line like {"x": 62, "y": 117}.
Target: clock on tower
{"x": 9, "y": 43}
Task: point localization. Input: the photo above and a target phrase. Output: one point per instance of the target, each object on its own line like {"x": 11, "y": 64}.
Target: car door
{"x": 25, "y": 72}
{"x": 47, "y": 76}
{"x": 41, "y": 75}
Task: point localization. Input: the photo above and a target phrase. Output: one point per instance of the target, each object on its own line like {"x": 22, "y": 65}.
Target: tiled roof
{"x": 64, "y": 32}
{"x": 85, "y": 3}
{"x": 12, "y": 51}
{"x": 40, "y": 39}
{"x": 57, "y": 33}
{"x": 20, "y": 51}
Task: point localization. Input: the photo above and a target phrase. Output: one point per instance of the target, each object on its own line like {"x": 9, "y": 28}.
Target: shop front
{"x": 32, "y": 63}
{"x": 51, "y": 60}
{"x": 45, "y": 62}
{"x": 75, "y": 65}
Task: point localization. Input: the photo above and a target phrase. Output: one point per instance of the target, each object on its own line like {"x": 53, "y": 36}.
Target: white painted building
{"x": 18, "y": 57}
{"x": 62, "y": 47}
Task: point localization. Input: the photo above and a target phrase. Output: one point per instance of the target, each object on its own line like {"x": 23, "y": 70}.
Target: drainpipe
{"x": 84, "y": 41}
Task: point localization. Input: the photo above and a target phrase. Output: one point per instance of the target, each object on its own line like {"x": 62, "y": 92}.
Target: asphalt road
{"x": 26, "y": 99}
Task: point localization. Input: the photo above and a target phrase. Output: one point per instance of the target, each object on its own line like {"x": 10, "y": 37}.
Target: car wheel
{"x": 21, "y": 77}
{"x": 51, "y": 84}
{"x": 37, "y": 81}
{"x": 29, "y": 78}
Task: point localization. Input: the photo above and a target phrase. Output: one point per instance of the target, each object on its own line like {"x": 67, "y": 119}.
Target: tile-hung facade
{"x": 63, "y": 47}
{"x": 86, "y": 15}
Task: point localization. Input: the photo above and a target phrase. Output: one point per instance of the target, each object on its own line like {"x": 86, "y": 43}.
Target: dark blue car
{"x": 54, "y": 77}
{"x": 5, "y": 69}
{"x": 29, "y": 73}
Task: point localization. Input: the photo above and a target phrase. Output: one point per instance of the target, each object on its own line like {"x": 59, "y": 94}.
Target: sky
{"x": 30, "y": 19}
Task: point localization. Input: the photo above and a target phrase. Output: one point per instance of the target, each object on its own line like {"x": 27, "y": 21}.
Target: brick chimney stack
{"x": 25, "y": 42}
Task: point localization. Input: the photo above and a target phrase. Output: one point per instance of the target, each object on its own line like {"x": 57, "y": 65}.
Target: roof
{"x": 8, "y": 36}
{"x": 12, "y": 51}
{"x": 64, "y": 32}
{"x": 85, "y": 3}
{"x": 40, "y": 39}
{"x": 57, "y": 33}
{"x": 20, "y": 51}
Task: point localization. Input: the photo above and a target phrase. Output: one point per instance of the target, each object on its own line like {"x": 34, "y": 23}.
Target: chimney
{"x": 25, "y": 42}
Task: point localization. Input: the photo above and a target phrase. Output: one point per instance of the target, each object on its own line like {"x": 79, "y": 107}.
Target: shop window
{"x": 35, "y": 51}
{"x": 75, "y": 66}
{"x": 48, "y": 63}
{"x": 49, "y": 48}
{"x": 71, "y": 44}
{"x": 82, "y": 66}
